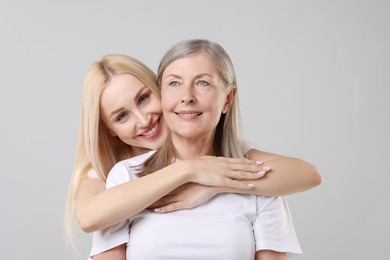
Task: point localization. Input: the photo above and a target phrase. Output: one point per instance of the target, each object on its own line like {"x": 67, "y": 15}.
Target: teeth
{"x": 151, "y": 131}
{"x": 189, "y": 115}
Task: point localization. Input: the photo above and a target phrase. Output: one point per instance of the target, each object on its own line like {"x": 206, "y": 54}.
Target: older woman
{"x": 199, "y": 93}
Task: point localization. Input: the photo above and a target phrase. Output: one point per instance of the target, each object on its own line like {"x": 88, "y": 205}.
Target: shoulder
{"x": 125, "y": 170}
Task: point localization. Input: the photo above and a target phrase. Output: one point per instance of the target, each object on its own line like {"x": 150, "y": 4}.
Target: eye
{"x": 174, "y": 84}
{"x": 144, "y": 98}
{"x": 203, "y": 83}
{"x": 122, "y": 116}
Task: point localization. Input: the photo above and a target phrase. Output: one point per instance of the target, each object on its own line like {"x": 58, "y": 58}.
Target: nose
{"x": 143, "y": 119}
{"x": 188, "y": 96}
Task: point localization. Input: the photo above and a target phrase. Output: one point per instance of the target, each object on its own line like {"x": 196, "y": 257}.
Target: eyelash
{"x": 141, "y": 100}
{"x": 121, "y": 115}
{"x": 144, "y": 98}
{"x": 174, "y": 83}
{"x": 202, "y": 83}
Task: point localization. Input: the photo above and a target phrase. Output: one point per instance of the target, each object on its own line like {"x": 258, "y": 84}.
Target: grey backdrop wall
{"x": 313, "y": 83}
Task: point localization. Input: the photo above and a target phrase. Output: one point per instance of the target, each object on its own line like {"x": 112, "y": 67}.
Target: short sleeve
{"x": 119, "y": 174}
{"x": 123, "y": 171}
{"x": 118, "y": 234}
{"x": 274, "y": 228}
{"x": 109, "y": 238}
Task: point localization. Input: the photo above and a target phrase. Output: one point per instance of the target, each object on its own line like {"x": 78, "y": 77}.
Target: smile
{"x": 188, "y": 114}
{"x": 151, "y": 132}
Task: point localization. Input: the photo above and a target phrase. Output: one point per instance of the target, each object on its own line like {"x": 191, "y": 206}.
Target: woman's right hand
{"x": 227, "y": 172}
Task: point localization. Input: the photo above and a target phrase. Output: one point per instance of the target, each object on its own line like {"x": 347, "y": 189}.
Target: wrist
{"x": 185, "y": 171}
{"x": 220, "y": 189}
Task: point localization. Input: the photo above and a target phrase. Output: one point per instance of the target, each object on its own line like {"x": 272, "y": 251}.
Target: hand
{"x": 227, "y": 172}
{"x": 187, "y": 196}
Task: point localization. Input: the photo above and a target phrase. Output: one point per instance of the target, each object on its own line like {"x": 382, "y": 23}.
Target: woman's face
{"x": 193, "y": 97}
{"x": 131, "y": 111}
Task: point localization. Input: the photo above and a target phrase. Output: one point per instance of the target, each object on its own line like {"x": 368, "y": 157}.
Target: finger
{"x": 163, "y": 201}
{"x": 245, "y": 167}
{"x": 242, "y": 175}
{"x": 238, "y": 185}
{"x": 169, "y": 208}
{"x": 237, "y": 160}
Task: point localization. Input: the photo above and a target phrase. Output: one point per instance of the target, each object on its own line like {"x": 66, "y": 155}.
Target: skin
{"x": 134, "y": 118}
{"x": 287, "y": 175}
{"x": 132, "y": 113}
{"x": 193, "y": 98}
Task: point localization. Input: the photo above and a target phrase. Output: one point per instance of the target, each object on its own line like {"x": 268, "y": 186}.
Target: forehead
{"x": 197, "y": 63}
{"x": 120, "y": 86}
{"x": 122, "y": 83}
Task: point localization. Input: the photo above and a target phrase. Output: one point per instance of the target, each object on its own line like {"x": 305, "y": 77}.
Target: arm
{"x": 117, "y": 253}
{"x": 270, "y": 255}
{"x": 98, "y": 208}
{"x": 287, "y": 176}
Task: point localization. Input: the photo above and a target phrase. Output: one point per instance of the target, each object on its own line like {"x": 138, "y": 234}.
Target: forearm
{"x": 107, "y": 207}
{"x": 287, "y": 176}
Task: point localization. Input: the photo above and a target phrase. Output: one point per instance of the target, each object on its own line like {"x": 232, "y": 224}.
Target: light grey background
{"x": 313, "y": 83}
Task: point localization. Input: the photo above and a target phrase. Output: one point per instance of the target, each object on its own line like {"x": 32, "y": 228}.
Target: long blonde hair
{"x": 226, "y": 142}
{"x": 96, "y": 148}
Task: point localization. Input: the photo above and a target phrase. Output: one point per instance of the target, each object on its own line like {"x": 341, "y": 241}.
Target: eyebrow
{"x": 137, "y": 95}
{"x": 196, "y": 77}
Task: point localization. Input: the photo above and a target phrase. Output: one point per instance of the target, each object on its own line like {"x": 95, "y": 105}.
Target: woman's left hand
{"x": 187, "y": 196}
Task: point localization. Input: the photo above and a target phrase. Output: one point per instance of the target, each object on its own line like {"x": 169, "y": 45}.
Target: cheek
{"x": 125, "y": 131}
{"x": 155, "y": 105}
{"x": 165, "y": 102}
{"x": 218, "y": 102}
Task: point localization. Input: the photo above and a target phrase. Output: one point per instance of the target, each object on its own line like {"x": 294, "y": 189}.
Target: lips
{"x": 188, "y": 114}
{"x": 152, "y": 131}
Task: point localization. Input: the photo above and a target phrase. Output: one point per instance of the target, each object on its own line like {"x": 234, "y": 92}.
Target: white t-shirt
{"x": 228, "y": 226}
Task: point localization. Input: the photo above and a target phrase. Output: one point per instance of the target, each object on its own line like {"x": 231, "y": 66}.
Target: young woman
{"x": 118, "y": 123}
{"x": 199, "y": 93}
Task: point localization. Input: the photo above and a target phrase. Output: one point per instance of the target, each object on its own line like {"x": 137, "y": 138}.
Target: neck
{"x": 189, "y": 148}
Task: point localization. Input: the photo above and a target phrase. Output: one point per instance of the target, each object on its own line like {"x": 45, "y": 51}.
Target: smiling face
{"x": 130, "y": 111}
{"x": 193, "y": 96}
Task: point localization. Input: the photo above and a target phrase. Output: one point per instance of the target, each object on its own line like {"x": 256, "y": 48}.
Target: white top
{"x": 228, "y": 226}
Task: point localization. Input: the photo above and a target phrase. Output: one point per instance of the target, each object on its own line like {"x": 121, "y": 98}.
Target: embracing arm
{"x": 287, "y": 176}
{"x": 98, "y": 208}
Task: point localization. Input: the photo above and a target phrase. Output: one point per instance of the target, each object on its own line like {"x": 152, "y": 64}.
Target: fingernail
{"x": 261, "y": 173}
{"x": 259, "y": 162}
{"x": 157, "y": 210}
{"x": 266, "y": 168}
{"x": 251, "y": 185}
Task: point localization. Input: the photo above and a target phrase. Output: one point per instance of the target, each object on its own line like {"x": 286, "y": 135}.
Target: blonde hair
{"x": 96, "y": 148}
{"x": 226, "y": 142}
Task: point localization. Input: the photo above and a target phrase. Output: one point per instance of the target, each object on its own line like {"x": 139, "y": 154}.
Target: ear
{"x": 229, "y": 99}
